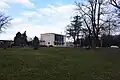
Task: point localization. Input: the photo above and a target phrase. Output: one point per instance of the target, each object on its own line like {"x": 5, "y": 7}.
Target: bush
{"x": 50, "y": 45}
{"x": 43, "y": 46}
{"x": 36, "y": 43}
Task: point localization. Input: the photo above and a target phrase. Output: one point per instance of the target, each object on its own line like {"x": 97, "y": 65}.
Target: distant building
{"x": 8, "y": 43}
{"x": 53, "y": 39}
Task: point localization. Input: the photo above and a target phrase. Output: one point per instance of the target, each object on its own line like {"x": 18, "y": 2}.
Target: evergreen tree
{"x": 36, "y": 43}
{"x": 73, "y": 30}
{"x": 20, "y": 39}
{"x": 24, "y": 39}
{"x": 17, "y": 39}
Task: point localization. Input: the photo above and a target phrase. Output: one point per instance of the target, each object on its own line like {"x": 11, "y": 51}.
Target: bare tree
{"x": 4, "y": 21}
{"x": 115, "y": 3}
{"x": 93, "y": 15}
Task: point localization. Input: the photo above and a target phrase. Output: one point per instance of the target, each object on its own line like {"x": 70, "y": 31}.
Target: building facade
{"x": 53, "y": 39}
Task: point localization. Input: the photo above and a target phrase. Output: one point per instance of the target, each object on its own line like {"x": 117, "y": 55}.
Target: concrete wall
{"x": 42, "y": 43}
{"x": 48, "y": 38}
{"x": 65, "y": 41}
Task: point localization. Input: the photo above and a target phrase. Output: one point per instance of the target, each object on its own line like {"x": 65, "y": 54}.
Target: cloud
{"x": 52, "y": 14}
{"x": 53, "y": 10}
{"x": 51, "y": 19}
{"x": 3, "y": 5}
{"x": 30, "y": 14}
{"x": 32, "y": 29}
{"x": 26, "y": 3}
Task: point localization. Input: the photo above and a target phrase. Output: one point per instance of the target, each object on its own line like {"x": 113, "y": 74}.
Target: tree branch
{"x": 4, "y": 21}
{"x": 114, "y": 3}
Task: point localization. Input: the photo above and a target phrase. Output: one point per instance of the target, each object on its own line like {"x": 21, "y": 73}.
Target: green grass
{"x": 59, "y": 64}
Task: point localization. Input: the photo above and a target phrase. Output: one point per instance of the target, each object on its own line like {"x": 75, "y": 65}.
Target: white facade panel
{"x": 49, "y": 39}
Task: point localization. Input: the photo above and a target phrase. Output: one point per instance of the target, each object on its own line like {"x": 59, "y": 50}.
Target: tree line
{"x": 20, "y": 40}
{"x": 94, "y": 23}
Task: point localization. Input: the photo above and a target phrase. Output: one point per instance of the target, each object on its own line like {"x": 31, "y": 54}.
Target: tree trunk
{"x": 89, "y": 41}
{"x": 74, "y": 43}
{"x": 5, "y": 45}
{"x": 95, "y": 42}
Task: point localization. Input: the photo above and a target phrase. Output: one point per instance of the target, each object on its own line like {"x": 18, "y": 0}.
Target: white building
{"x": 53, "y": 39}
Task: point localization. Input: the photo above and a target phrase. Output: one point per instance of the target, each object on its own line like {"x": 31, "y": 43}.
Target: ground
{"x": 59, "y": 64}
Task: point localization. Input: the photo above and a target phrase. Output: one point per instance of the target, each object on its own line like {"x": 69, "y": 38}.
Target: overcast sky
{"x": 37, "y": 16}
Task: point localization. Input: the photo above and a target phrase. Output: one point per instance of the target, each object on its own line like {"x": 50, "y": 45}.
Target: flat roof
{"x": 52, "y": 33}
{"x": 7, "y": 40}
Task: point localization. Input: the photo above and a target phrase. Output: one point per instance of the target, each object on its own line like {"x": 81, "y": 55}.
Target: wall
{"x": 48, "y": 38}
{"x": 65, "y": 41}
{"x": 42, "y": 43}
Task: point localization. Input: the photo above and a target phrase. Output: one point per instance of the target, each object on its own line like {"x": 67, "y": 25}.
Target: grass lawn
{"x": 59, "y": 64}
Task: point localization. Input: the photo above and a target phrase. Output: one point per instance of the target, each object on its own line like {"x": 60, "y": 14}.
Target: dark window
{"x": 48, "y": 42}
{"x": 54, "y": 43}
{"x": 58, "y": 43}
{"x": 59, "y": 38}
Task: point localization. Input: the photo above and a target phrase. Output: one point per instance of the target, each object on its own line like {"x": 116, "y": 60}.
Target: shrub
{"x": 36, "y": 43}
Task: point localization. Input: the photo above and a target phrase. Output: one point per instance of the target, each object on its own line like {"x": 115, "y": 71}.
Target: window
{"x": 48, "y": 42}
